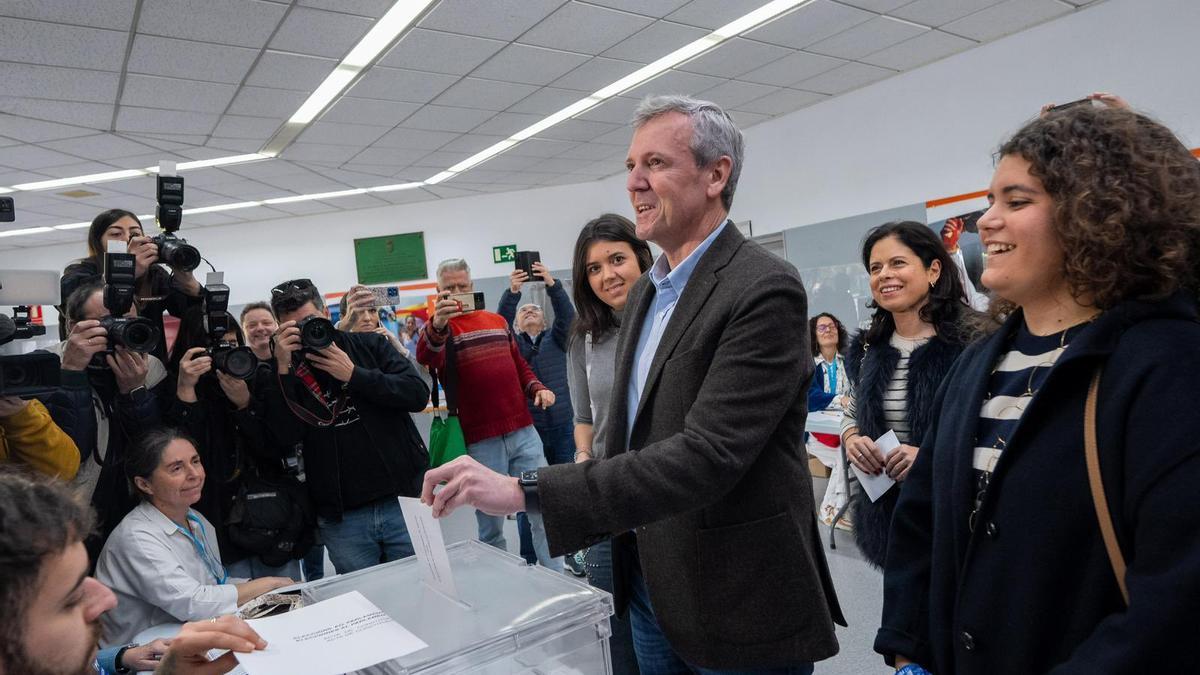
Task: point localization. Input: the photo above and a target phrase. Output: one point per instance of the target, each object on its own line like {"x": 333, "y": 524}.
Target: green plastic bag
{"x": 446, "y": 440}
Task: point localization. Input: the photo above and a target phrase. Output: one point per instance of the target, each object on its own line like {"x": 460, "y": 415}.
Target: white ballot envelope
{"x": 339, "y": 635}
{"x": 430, "y": 546}
{"x": 875, "y": 486}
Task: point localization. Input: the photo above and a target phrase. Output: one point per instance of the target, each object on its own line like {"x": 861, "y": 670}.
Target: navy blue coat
{"x": 1031, "y": 590}
{"x": 547, "y": 356}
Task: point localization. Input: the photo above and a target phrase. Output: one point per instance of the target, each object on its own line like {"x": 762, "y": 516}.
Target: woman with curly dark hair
{"x": 1050, "y": 522}
{"x": 922, "y": 322}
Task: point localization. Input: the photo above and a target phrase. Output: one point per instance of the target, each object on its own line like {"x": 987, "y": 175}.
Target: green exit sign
{"x": 505, "y": 253}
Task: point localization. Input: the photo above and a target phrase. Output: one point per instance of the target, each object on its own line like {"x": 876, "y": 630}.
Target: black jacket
{"x": 548, "y": 357}
{"x": 385, "y": 387}
{"x": 871, "y": 372}
{"x": 1031, "y": 590}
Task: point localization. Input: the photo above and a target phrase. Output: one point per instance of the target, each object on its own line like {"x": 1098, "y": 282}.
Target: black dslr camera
{"x": 227, "y": 355}
{"x": 316, "y": 332}
{"x": 31, "y": 374}
{"x": 135, "y": 333}
{"x": 172, "y": 250}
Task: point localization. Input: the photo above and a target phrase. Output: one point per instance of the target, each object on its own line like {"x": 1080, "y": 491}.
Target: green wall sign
{"x": 396, "y": 257}
{"x": 505, "y": 253}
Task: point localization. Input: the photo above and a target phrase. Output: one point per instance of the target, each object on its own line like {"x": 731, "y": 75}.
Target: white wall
{"x": 921, "y": 135}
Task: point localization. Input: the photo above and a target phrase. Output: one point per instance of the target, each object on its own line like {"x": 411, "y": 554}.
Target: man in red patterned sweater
{"x": 479, "y": 362}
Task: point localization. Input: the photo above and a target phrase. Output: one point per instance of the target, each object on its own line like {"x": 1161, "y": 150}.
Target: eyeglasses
{"x": 826, "y": 328}
{"x": 293, "y": 285}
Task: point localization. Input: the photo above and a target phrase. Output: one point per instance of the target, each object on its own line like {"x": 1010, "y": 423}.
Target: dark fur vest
{"x": 870, "y": 369}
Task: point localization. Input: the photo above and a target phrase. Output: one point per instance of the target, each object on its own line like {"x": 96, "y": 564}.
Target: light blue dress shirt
{"x": 668, "y": 285}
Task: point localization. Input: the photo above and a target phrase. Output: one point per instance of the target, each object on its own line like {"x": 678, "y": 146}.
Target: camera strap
{"x": 306, "y": 377}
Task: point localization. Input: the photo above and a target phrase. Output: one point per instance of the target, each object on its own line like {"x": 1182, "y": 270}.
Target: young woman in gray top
{"x": 609, "y": 258}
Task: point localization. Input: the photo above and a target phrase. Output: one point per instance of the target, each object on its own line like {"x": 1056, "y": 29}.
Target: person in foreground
{"x": 998, "y": 560}
{"x": 50, "y": 608}
{"x": 705, "y": 488}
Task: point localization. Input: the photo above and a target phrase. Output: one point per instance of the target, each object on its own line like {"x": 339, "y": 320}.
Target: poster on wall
{"x": 395, "y": 257}
{"x": 962, "y": 231}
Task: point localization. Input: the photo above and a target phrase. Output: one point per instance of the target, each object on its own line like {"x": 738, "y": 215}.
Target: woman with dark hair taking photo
{"x": 921, "y": 324}
{"x": 608, "y": 259}
{"x": 1050, "y": 523}
{"x": 172, "y": 292}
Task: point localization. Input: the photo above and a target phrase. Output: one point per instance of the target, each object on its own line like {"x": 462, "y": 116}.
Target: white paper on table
{"x": 338, "y": 635}
{"x": 426, "y": 533}
{"x": 875, "y": 486}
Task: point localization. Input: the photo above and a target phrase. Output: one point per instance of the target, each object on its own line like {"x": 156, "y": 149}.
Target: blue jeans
{"x": 366, "y": 536}
{"x": 252, "y": 568}
{"x": 655, "y": 655}
{"x": 313, "y": 563}
{"x": 598, "y": 564}
{"x": 558, "y": 445}
{"x": 510, "y": 454}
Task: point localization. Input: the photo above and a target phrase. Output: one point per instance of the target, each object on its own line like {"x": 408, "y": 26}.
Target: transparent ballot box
{"x": 509, "y": 618}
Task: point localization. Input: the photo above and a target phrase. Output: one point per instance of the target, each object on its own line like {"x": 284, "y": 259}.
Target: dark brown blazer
{"x": 714, "y": 478}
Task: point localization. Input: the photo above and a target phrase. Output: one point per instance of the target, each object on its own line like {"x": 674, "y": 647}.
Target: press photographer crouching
{"x": 214, "y": 405}
{"x": 156, "y": 289}
{"x": 348, "y": 391}
{"x": 109, "y": 395}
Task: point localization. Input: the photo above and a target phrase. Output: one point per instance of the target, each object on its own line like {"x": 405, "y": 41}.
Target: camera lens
{"x": 13, "y": 375}
{"x": 180, "y": 255}
{"x": 316, "y": 332}
{"x": 133, "y": 333}
{"x": 238, "y": 362}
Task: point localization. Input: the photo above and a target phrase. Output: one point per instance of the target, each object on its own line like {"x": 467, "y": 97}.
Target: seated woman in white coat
{"x": 162, "y": 561}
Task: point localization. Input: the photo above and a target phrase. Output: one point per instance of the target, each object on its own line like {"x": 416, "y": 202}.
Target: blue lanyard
{"x": 831, "y": 370}
{"x": 202, "y": 550}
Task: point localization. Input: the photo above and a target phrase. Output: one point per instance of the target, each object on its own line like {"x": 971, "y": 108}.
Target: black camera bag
{"x": 272, "y": 518}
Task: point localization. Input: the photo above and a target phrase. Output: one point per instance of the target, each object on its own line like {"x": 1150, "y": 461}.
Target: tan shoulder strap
{"x": 1099, "y": 500}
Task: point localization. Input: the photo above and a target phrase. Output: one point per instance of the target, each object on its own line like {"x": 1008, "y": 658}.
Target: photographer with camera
{"x": 109, "y": 396}
{"x": 360, "y": 315}
{"x": 215, "y": 406}
{"x": 29, "y": 436}
{"x": 156, "y": 289}
{"x": 360, "y": 452}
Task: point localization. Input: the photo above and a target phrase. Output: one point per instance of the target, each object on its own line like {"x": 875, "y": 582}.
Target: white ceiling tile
{"x": 66, "y": 84}
{"x": 439, "y": 52}
{"x": 89, "y": 115}
{"x": 447, "y": 192}
{"x": 593, "y": 152}
{"x": 619, "y": 138}
{"x": 471, "y": 143}
{"x": 597, "y": 73}
{"x": 471, "y": 92}
{"x": 174, "y": 94}
{"x": 320, "y": 33}
{"x": 340, "y": 133}
{"x": 37, "y": 131}
{"x": 617, "y": 110}
{"x": 735, "y": 57}
{"x": 31, "y": 157}
{"x": 415, "y": 139}
{"x": 1006, "y": 18}
{"x": 881, "y": 6}
{"x": 352, "y": 178}
{"x": 100, "y": 147}
{"x": 54, "y": 44}
{"x": 497, "y": 19}
{"x": 257, "y": 213}
{"x": 655, "y": 8}
{"x": 529, "y": 65}
{"x": 148, "y": 120}
{"x": 115, "y": 14}
{"x": 562, "y": 164}
{"x": 510, "y": 162}
{"x": 237, "y": 126}
{"x": 506, "y": 124}
{"x": 925, "y": 48}
{"x": 745, "y": 120}
{"x": 733, "y": 93}
{"x": 263, "y": 102}
{"x": 141, "y": 162}
{"x": 842, "y": 79}
{"x": 540, "y": 147}
{"x": 235, "y": 145}
{"x": 709, "y": 14}
{"x": 195, "y": 198}
{"x": 380, "y": 158}
{"x": 439, "y": 159}
{"x": 358, "y": 202}
{"x": 211, "y": 219}
{"x": 674, "y": 82}
{"x": 318, "y": 152}
{"x": 306, "y": 208}
{"x": 369, "y": 111}
{"x": 67, "y": 211}
{"x": 546, "y": 100}
{"x": 578, "y": 130}
{"x": 654, "y": 41}
{"x": 395, "y": 84}
{"x": 407, "y": 196}
{"x": 938, "y": 12}
{"x": 810, "y": 23}
{"x": 782, "y": 102}
{"x": 584, "y": 28}
{"x": 247, "y": 23}
{"x": 265, "y": 169}
{"x": 158, "y": 142}
{"x": 371, "y": 8}
{"x": 446, "y": 118}
{"x": 791, "y": 69}
{"x": 192, "y": 60}
{"x": 290, "y": 71}
{"x": 306, "y": 182}
{"x": 867, "y": 37}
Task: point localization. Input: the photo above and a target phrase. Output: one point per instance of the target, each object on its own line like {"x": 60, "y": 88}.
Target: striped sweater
{"x": 490, "y": 381}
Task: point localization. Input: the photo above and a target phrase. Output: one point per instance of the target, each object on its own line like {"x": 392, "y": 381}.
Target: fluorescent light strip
{"x": 76, "y": 180}
{"x": 216, "y": 161}
{"x": 4, "y": 191}
{"x": 28, "y": 230}
{"x": 319, "y": 195}
{"x": 396, "y": 186}
{"x": 73, "y": 226}
{"x": 767, "y": 12}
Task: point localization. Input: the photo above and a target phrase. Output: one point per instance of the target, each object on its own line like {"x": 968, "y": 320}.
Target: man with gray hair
{"x": 476, "y": 358}
{"x": 716, "y": 552}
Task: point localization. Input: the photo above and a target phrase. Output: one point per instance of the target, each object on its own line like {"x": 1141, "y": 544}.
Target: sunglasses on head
{"x": 293, "y": 285}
